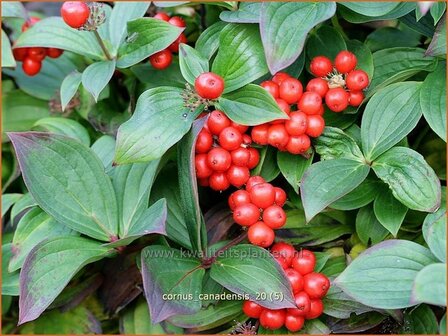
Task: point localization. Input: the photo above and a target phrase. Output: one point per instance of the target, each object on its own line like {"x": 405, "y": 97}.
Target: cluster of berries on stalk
{"x": 308, "y": 287}
{"x": 162, "y": 59}
{"x": 32, "y": 57}
{"x": 340, "y": 84}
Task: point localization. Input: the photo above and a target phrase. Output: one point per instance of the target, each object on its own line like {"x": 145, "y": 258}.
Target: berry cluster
{"x": 223, "y": 153}
{"x": 32, "y": 57}
{"x": 259, "y": 207}
{"x": 162, "y": 59}
{"x": 308, "y": 288}
{"x": 340, "y": 84}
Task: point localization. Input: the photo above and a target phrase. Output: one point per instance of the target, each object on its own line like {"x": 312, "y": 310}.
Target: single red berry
{"x": 294, "y": 323}
{"x": 217, "y": 121}
{"x": 278, "y": 136}
{"x": 321, "y": 110}
{"x": 174, "y": 47}
{"x": 316, "y": 285}
{"x": 54, "y": 52}
{"x": 282, "y": 262}
{"x": 259, "y": 134}
{"x": 260, "y": 234}
{"x": 241, "y": 128}
{"x": 219, "y": 159}
{"x": 246, "y": 214}
{"x": 310, "y": 103}
{"x": 274, "y": 216}
{"x": 303, "y": 303}
{"x": 230, "y": 138}
{"x": 204, "y": 142}
{"x": 291, "y": 90}
{"x": 279, "y": 77}
{"x": 295, "y": 279}
{"x": 272, "y": 319}
{"x": 284, "y": 106}
{"x": 247, "y": 140}
{"x": 355, "y": 98}
{"x": 298, "y": 144}
{"x": 240, "y": 157}
{"x": 218, "y": 181}
{"x": 297, "y": 123}
{"x": 75, "y": 13}
{"x": 202, "y": 168}
{"x": 209, "y": 85}
{"x": 31, "y": 67}
{"x": 304, "y": 262}
{"x": 252, "y": 309}
{"x": 345, "y": 61}
{"x": 336, "y": 99}
{"x": 271, "y": 87}
{"x": 318, "y": 85}
{"x": 284, "y": 251}
{"x": 320, "y": 66}
{"x": 280, "y": 196}
{"x": 262, "y": 195}
{"x": 161, "y": 60}
{"x": 316, "y": 125}
{"x": 357, "y": 80}
{"x": 237, "y": 175}
{"x": 37, "y": 53}
{"x": 316, "y": 309}
{"x": 177, "y": 21}
{"x": 238, "y": 198}
{"x": 162, "y": 16}
{"x": 254, "y": 158}
{"x": 254, "y": 180}
{"x": 29, "y": 23}
{"x": 20, "y": 53}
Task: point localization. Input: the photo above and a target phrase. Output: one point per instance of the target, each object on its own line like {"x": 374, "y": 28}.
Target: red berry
{"x": 162, "y": 16}
{"x": 280, "y": 196}
{"x": 254, "y": 180}
{"x": 238, "y": 198}
{"x": 336, "y": 99}
{"x": 29, "y": 23}
{"x": 254, "y": 158}
{"x": 274, "y": 216}
{"x": 246, "y": 214}
{"x": 279, "y": 77}
{"x": 310, "y": 103}
{"x": 357, "y": 80}
{"x": 291, "y": 90}
{"x": 161, "y": 60}
{"x": 202, "y": 168}
{"x": 260, "y": 234}
{"x": 174, "y": 47}
{"x": 54, "y": 52}
{"x": 316, "y": 309}
{"x": 272, "y": 319}
{"x": 218, "y": 181}
{"x": 282, "y": 262}
{"x": 345, "y": 61}
{"x": 177, "y": 21}
{"x": 271, "y": 87}
{"x": 259, "y": 134}
{"x": 316, "y": 125}
{"x": 298, "y": 144}
{"x": 217, "y": 121}
{"x": 75, "y": 13}
{"x": 230, "y": 138}
{"x": 318, "y": 85}
{"x": 20, "y": 53}
{"x": 284, "y": 106}
{"x": 252, "y": 309}
{"x": 304, "y": 262}
{"x": 203, "y": 182}
{"x": 321, "y": 110}
{"x": 320, "y": 66}
{"x": 209, "y": 85}
{"x": 219, "y": 159}
{"x": 31, "y": 67}
{"x": 355, "y": 98}
{"x": 247, "y": 140}
{"x": 241, "y": 128}
{"x": 316, "y": 285}
{"x": 297, "y": 123}
{"x": 278, "y": 136}
{"x": 284, "y": 251}
{"x": 37, "y": 53}
{"x": 295, "y": 279}
{"x": 302, "y": 301}
{"x": 262, "y": 195}
{"x": 204, "y": 142}
{"x": 238, "y": 176}
{"x": 294, "y": 323}
{"x": 240, "y": 157}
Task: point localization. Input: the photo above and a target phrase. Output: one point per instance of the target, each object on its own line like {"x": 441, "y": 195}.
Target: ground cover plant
{"x": 223, "y": 167}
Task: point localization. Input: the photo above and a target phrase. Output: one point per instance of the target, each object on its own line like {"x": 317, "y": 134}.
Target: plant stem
{"x": 103, "y": 47}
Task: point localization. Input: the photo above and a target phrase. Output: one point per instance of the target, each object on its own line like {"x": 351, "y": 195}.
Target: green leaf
{"x": 434, "y": 230}
{"x": 325, "y": 41}
{"x": 208, "y": 42}
{"x": 396, "y": 65}
{"x": 53, "y": 32}
{"x": 412, "y": 181}
{"x": 420, "y": 320}
{"x": 388, "y": 267}
{"x": 153, "y": 78}
{"x": 433, "y": 102}
{"x": 251, "y": 105}
{"x": 368, "y": 228}
{"x": 24, "y": 203}
{"x": 430, "y": 285}
{"x": 96, "y": 76}
{"x": 340, "y": 305}
{"x": 327, "y": 181}
{"x": 7, "y": 56}
{"x": 359, "y": 197}
{"x": 192, "y": 64}
{"x": 240, "y": 59}
{"x": 437, "y": 10}
{"x": 69, "y": 87}
{"x": 390, "y": 37}
{"x": 34, "y": 227}
{"x": 248, "y": 12}
{"x": 442, "y": 325}
{"x": 136, "y": 321}
{"x": 159, "y": 121}
{"x": 168, "y": 271}
{"x": 104, "y": 148}
{"x": 63, "y": 126}
{"x": 364, "y": 56}
{"x": 293, "y": 167}
{"x": 282, "y": 37}
{"x": 13, "y": 9}
{"x": 10, "y": 281}
{"x": 146, "y": 37}
{"x": 48, "y": 269}
{"x": 8, "y": 200}
{"x": 389, "y": 116}
{"x": 251, "y": 270}
{"x": 334, "y": 143}
{"x": 437, "y": 47}
{"x": 402, "y": 9}
{"x": 371, "y": 8}
{"x": 68, "y": 182}
{"x": 389, "y": 211}
{"x": 267, "y": 167}
{"x": 315, "y": 327}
